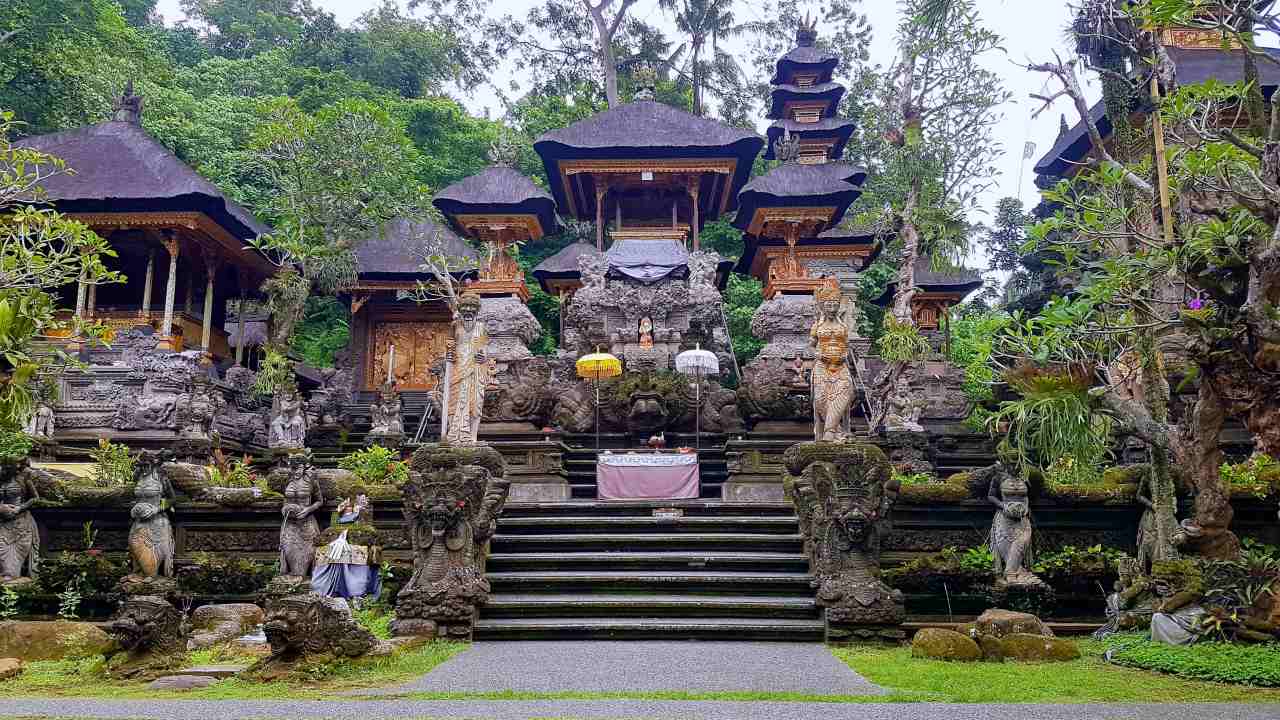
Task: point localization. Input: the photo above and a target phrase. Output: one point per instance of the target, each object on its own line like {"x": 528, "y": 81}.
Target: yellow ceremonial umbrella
{"x": 595, "y": 366}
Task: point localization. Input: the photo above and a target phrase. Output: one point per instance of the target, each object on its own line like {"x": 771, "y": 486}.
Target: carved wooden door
{"x": 419, "y": 345}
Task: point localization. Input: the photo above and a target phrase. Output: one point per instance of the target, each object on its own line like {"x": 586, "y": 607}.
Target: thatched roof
{"x": 498, "y": 190}
{"x": 960, "y": 282}
{"x": 828, "y": 92}
{"x": 397, "y": 250}
{"x": 645, "y": 130}
{"x": 796, "y": 185}
{"x": 563, "y": 265}
{"x": 802, "y": 58}
{"x": 1193, "y": 67}
{"x": 119, "y": 167}
{"x": 838, "y": 128}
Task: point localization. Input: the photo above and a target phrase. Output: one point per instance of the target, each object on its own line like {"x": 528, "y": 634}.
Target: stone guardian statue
{"x": 843, "y": 494}
{"x": 452, "y": 501}
{"x": 467, "y": 373}
{"x": 298, "y": 528}
{"x": 288, "y": 430}
{"x": 19, "y": 537}
{"x": 1010, "y": 538}
{"x": 832, "y": 380}
{"x": 151, "y": 543}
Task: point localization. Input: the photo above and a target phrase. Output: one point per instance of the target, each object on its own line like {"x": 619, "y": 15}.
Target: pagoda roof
{"x": 845, "y": 234}
{"x": 563, "y": 265}
{"x": 793, "y": 185}
{"x": 828, "y": 92}
{"x": 1193, "y": 66}
{"x": 119, "y": 167}
{"x": 802, "y": 58}
{"x": 838, "y": 128}
{"x": 643, "y": 133}
{"x": 497, "y": 190}
{"x": 959, "y": 282}
{"x": 395, "y": 253}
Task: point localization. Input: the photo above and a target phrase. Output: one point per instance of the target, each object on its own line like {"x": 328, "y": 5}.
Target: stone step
{"x": 634, "y": 524}
{"x": 791, "y": 629}
{"x": 796, "y": 562}
{"x": 214, "y": 671}
{"x": 777, "y": 542}
{"x": 685, "y": 581}
{"x": 644, "y": 508}
{"x": 583, "y": 605}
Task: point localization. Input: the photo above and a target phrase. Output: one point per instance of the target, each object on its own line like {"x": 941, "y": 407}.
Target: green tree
{"x": 338, "y": 176}
{"x": 62, "y": 62}
{"x": 40, "y": 251}
{"x": 243, "y": 28}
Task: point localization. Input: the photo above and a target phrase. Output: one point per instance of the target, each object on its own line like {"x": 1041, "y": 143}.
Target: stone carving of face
{"x": 830, "y": 308}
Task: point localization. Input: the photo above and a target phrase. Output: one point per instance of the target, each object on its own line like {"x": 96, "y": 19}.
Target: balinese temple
{"x": 1198, "y": 55}
{"x": 936, "y": 293}
{"x": 793, "y": 216}
{"x": 389, "y": 268}
{"x": 180, "y": 242}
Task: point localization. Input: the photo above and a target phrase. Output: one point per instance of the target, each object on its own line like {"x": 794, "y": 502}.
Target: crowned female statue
{"x": 19, "y": 537}
{"x": 467, "y": 373}
{"x": 832, "y": 385}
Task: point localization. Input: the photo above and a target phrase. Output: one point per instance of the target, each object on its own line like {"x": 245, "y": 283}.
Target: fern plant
{"x": 901, "y": 341}
{"x": 113, "y": 464}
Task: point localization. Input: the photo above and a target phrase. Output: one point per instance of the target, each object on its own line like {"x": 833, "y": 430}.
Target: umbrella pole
{"x": 697, "y": 413}
{"x": 597, "y": 413}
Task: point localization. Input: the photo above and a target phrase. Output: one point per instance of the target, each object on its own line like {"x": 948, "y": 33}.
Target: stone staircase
{"x": 586, "y": 569}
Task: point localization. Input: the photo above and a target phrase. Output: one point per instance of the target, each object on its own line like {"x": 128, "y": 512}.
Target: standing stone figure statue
{"x": 19, "y": 538}
{"x": 832, "y": 380}
{"x": 41, "y": 423}
{"x": 299, "y": 529}
{"x": 467, "y": 374}
{"x": 1010, "y": 537}
{"x": 151, "y": 535}
{"x": 288, "y": 424}
{"x": 385, "y": 413}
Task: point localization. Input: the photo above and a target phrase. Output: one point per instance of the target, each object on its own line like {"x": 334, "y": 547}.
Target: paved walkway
{"x": 630, "y": 666}
{"x": 608, "y": 710}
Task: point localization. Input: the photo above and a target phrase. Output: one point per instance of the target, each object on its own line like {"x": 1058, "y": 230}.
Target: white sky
{"x": 1031, "y": 29}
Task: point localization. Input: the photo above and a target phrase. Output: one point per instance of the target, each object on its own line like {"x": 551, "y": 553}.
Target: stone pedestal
{"x": 776, "y": 384}
{"x": 755, "y": 471}
{"x": 844, "y": 494}
{"x": 535, "y": 469}
{"x": 388, "y": 440}
{"x": 907, "y": 451}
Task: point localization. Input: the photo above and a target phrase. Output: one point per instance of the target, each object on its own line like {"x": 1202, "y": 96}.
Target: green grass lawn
{"x": 1089, "y": 679}
{"x": 84, "y": 678}
{"x": 907, "y": 679}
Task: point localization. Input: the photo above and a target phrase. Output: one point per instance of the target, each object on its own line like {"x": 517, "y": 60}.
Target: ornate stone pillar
{"x": 243, "y": 281}
{"x": 145, "y": 310}
{"x": 693, "y": 215}
{"x": 206, "y": 329}
{"x": 601, "y": 189}
{"x": 171, "y": 289}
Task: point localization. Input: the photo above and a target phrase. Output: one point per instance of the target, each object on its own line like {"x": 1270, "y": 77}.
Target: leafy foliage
{"x": 1258, "y": 476}
{"x": 742, "y": 296}
{"x": 1051, "y": 421}
{"x": 901, "y": 342}
{"x": 112, "y": 464}
{"x": 1212, "y": 661}
{"x": 376, "y": 465}
{"x": 14, "y": 444}
{"x": 324, "y": 331}
{"x": 210, "y": 574}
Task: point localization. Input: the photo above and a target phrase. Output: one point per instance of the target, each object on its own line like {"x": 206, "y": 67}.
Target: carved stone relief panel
{"x": 419, "y": 345}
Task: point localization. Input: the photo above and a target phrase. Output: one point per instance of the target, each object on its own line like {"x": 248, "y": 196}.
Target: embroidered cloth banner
{"x": 648, "y": 476}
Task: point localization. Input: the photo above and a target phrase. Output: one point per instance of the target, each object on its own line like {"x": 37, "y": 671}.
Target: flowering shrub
{"x": 376, "y": 465}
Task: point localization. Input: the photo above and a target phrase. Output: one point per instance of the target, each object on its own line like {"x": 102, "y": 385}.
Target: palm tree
{"x": 702, "y": 20}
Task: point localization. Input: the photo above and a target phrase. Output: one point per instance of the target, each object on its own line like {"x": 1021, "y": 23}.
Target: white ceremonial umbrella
{"x": 696, "y": 362}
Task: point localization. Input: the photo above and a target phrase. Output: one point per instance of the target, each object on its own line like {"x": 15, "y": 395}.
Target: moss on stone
{"x": 1038, "y": 648}
{"x": 942, "y": 644}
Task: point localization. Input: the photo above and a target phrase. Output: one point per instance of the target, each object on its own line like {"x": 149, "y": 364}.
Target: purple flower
{"x": 1195, "y": 303}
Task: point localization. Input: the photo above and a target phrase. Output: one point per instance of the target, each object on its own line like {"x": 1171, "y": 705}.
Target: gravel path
{"x": 609, "y": 710}
{"x": 629, "y": 666}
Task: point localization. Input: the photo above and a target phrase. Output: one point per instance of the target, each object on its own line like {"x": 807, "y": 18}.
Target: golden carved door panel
{"x": 418, "y": 346}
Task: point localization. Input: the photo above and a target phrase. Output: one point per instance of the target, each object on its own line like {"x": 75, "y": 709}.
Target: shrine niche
{"x": 419, "y": 348}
